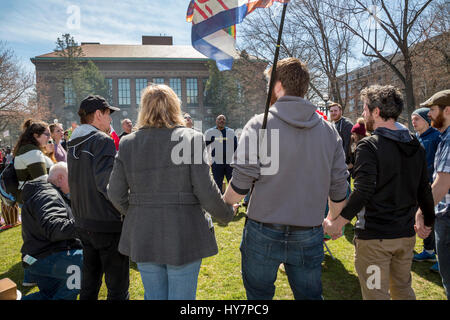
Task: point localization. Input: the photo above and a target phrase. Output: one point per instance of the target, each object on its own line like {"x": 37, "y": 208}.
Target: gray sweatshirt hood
{"x": 296, "y": 112}
{"x": 405, "y": 141}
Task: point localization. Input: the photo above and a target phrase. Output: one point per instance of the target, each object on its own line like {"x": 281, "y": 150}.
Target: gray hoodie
{"x": 305, "y": 165}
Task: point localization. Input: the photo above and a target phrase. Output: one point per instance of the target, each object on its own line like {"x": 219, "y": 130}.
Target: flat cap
{"x": 442, "y": 98}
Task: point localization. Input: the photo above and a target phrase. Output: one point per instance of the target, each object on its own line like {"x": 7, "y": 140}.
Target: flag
{"x": 115, "y": 137}
{"x": 214, "y": 26}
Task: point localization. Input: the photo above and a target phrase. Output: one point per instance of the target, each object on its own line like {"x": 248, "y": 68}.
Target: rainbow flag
{"x": 214, "y": 26}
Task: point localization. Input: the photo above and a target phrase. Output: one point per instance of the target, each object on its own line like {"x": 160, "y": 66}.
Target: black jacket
{"x": 390, "y": 181}
{"x": 90, "y": 160}
{"x": 344, "y": 127}
{"x": 47, "y": 221}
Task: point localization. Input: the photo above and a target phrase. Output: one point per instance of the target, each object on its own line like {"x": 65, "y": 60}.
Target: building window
{"x": 69, "y": 95}
{"x": 158, "y": 80}
{"x": 175, "y": 84}
{"x": 124, "y": 92}
{"x": 109, "y": 88}
{"x": 140, "y": 85}
{"x": 192, "y": 91}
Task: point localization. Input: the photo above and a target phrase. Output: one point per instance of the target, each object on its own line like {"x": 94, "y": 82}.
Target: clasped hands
{"x": 333, "y": 228}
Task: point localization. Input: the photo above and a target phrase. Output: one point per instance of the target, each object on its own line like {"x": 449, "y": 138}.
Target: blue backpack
{"x": 9, "y": 185}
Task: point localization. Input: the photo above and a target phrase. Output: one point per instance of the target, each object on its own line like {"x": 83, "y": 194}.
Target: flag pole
{"x": 271, "y": 83}
{"x": 274, "y": 67}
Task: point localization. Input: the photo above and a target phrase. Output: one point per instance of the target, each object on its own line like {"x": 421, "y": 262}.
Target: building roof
{"x": 95, "y": 51}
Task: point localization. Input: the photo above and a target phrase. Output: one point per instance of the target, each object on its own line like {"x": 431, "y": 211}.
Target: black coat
{"x": 47, "y": 221}
{"x": 90, "y": 160}
{"x": 390, "y": 182}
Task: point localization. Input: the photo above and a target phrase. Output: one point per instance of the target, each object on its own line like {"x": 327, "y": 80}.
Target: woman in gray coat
{"x": 160, "y": 183}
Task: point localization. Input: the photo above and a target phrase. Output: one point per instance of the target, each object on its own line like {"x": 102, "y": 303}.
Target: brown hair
{"x": 29, "y": 128}
{"x": 53, "y": 126}
{"x": 293, "y": 75}
{"x": 88, "y": 118}
{"x": 334, "y": 104}
{"x": 159, "y": 108}
{"x": 386, "y": 98}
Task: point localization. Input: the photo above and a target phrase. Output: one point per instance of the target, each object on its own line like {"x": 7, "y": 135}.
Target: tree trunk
{"x": 409, "y": 91}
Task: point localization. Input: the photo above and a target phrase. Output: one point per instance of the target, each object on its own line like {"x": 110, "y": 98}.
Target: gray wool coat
{"x": 162, "y": 199}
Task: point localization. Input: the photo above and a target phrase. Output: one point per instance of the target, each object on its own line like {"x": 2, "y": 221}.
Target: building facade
{"x": 127, "y": 70}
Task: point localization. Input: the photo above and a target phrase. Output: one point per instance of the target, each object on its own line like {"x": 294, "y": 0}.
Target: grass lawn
{"x": 220, "y": 277}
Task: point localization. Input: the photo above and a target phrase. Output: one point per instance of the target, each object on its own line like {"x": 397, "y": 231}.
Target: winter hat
{"x": 423, "y": 112}
{"x": 359, "y": 128}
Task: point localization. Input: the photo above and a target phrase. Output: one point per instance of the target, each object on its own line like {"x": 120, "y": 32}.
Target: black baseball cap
{"x": 94, "y": 102}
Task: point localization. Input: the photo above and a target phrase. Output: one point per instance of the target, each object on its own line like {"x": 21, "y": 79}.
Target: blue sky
{"x": 31, "y": 27}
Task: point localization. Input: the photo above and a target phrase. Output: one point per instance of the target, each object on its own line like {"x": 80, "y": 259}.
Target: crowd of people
{"x": 88, "y": 208}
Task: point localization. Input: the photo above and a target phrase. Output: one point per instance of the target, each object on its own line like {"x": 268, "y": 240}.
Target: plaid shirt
{"x": 442, "y": 164}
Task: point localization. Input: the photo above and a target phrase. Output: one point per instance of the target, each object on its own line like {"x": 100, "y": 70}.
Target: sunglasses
{"x": 187, "y": 118}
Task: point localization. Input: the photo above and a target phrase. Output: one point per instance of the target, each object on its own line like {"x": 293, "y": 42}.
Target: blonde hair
{"x": 159, "y": 108}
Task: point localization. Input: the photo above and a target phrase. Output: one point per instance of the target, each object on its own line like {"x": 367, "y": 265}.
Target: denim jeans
{"x": 58, "y": 276}
{"x": 168, "y": 282}
{"x": 263, "y": 250}
{"x": 442, "y": 238}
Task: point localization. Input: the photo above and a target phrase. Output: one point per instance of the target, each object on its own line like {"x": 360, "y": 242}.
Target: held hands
{"x": 422, "y": 231}
{"x": 236, "y": 208}
{"x": 333, "y": 228}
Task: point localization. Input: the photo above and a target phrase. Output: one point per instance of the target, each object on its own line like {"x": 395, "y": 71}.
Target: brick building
{"x": 128, "y": 69}
{"x": 431, "y": 73}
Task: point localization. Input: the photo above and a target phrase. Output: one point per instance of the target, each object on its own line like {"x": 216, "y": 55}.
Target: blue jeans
{"x": 58, "y": 276}
{"x": 263, "y": 250}
{"x": 442, "y": 238}
{"x": 168, "y": 282}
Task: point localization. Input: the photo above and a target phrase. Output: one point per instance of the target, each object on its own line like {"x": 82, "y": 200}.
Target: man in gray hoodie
{"x": 306, "y": 167}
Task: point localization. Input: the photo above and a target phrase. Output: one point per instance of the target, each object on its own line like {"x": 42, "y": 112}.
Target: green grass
{"x": 220, "y": 276}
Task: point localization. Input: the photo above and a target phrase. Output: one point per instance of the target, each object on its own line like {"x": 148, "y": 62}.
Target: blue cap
{"x": 423, "y": 112}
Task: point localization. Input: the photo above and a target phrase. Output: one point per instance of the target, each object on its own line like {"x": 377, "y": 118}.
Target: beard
{"x": 439, "y": 122}
{"x": 273, "y": 97}
{"x": 369, "y": 123}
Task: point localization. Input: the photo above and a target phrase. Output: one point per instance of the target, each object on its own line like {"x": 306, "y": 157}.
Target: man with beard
{"x": 344, "y": 127}
{"x": 391, "y": 178}
{"x": 439, "y": 113}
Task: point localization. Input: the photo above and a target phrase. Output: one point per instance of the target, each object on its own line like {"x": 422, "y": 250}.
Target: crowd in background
{"x": 86, "y": 203}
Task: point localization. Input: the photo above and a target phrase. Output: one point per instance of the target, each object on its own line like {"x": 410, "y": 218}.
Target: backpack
{"x": 9, "y": 185}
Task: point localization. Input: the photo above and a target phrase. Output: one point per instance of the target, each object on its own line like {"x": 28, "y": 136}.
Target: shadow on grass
{"x": 15, "y": 273}
{"x": 349, "y": 232}
{"x": 338, "y": 283}
{"x": 422, "y": 269}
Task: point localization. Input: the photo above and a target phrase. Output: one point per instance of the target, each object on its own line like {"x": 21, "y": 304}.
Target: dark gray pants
{"x": 101, "y": 256}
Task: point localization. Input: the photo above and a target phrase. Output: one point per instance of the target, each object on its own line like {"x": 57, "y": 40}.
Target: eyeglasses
{"x": 187, "y": 118}
{"x": 47, "y": 134}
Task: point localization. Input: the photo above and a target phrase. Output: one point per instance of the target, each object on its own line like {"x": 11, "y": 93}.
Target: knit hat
{"x": 423, "y": 112}
{"x": 359, "y": 128}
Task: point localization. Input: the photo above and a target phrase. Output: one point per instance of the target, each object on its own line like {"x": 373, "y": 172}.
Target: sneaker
{"x": 435, "y": 267}
{"x": 28, "y": 284}
{"x": 424, "y": 256}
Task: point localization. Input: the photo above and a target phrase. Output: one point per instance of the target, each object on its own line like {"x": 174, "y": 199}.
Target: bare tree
{"x": 14, "y": 85}
{"x": 258, "y": 36}
{"x": 309, "y": 36}
{"x": 329, "y": 43}
{"x": 388, "y": 32}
